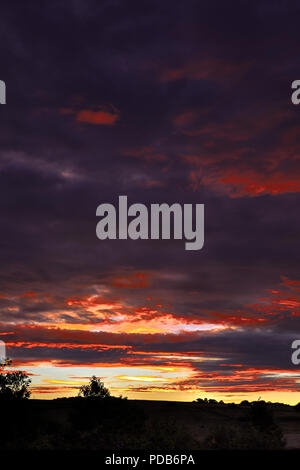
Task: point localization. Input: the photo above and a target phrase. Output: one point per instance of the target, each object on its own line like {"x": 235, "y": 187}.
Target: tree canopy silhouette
{"x": 14, "y": 385}
{"x": 95, "y": 389}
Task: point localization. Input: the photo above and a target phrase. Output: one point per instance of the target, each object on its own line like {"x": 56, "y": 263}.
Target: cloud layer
{"x": 162, "y": 102}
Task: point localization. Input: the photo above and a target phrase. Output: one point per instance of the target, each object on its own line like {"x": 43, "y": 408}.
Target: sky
{"x": 164, "y": 102}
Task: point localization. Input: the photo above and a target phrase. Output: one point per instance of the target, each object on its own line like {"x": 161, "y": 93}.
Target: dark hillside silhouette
{"x": 97, "y": 420}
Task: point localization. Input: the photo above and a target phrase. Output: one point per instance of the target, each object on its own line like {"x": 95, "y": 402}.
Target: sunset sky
{"x": 161, "y": 101}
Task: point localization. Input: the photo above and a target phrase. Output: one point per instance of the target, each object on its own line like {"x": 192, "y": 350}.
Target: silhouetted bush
{"x": 14, "y": 386}
{"x": 95, "y": 389}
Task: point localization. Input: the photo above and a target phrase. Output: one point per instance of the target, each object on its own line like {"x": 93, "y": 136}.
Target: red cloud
{"x": 207, "y": 69}
{"x": 97, "y": 117}
{"x": 104, "y": 116}
{"x": 253, "y": 183}
{"x": 239, "y": 319}
{"x": 239, "y": 182}
{"x": 240, "y": 128}
{"x": 228, "y": 159}
{"x": 131, "y": 281}
{"x": 68, "y": 345}
{"x": 29, "y": 294}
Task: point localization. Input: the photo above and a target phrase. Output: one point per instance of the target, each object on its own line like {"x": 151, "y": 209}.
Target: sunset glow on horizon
{"x": 134, "y": 348}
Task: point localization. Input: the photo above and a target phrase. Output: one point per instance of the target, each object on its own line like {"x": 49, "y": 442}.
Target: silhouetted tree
{"x": 14, "y": 385}
{"x": 206, "y": 401}
{"x": 202, "y": 401}
{"x": 95, "y": 389}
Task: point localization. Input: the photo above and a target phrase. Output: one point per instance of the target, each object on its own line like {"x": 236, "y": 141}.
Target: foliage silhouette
{"x": 14, "y": 385}
{"x": 95, "y": 389}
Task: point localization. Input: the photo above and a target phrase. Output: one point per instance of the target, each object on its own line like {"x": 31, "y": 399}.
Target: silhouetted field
{"x": 112, "y": 423}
